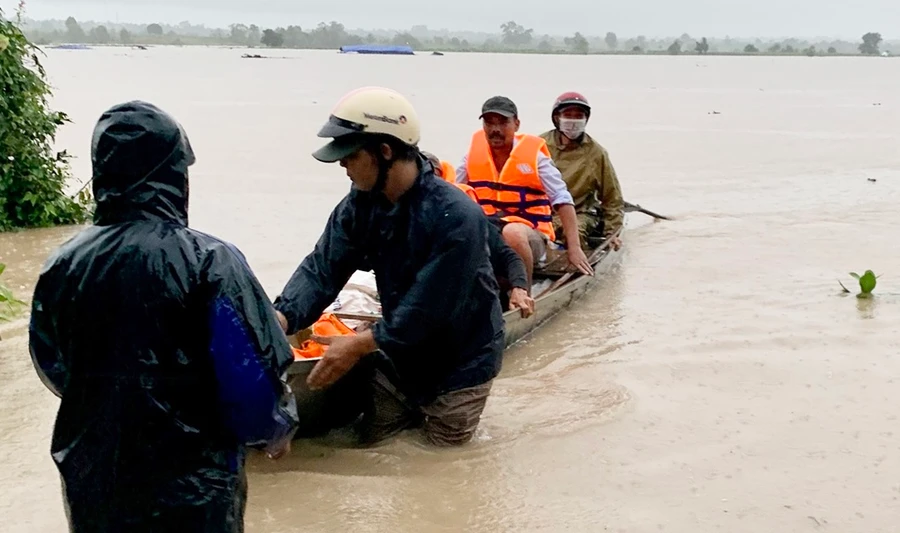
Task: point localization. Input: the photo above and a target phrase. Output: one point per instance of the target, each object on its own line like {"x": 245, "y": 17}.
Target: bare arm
{"x": 573, "y": 239}
{"x": 562, "y": 201}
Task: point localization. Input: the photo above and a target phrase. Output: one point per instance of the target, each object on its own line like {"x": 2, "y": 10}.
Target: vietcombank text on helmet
{"x": 366, "y": 116}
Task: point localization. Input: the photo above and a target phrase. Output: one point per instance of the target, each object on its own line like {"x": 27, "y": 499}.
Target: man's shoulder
{"x": 535, "y": 143}
{"x": 110, "y": 240}
{"x": 140, "y": 247}
{"x": 79, "y": 245}
{"x": 210, "y": 244}
{"x": 594, "y": 145}
{"x": 540, "y": 139}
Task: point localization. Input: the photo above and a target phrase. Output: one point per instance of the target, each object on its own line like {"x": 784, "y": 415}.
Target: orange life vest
{"x": 516, "y": 193}
{"x": 448, "y": 171}
{"x": 328, "y": 325}
{"x": 448, "y": 174}
{"x": 470, "y": 192}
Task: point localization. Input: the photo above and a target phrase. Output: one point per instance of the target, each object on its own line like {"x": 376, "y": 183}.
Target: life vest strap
{"x": 506, "y": 206}
{"x": 534, "y": 219}
{"x": 497, "y": 186}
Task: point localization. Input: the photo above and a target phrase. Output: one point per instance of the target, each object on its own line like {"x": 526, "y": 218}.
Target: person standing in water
{"x": 160, "y": 343}
{"x": 432, "y": 357}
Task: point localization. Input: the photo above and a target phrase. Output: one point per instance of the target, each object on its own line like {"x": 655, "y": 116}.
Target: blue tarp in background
{"x": 377, "y": 49}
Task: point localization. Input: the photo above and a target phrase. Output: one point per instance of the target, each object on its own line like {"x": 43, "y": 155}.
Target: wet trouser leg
{"x": 368, "y": 402}
{"x": 450, "y": 420}
{"x": 589, "y": 225}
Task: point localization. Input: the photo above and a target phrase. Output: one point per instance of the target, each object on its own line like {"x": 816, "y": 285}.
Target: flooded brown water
{"x": 716, "y": 381}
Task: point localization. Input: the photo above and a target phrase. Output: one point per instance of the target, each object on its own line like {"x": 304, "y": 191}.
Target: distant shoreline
{"x": 429, "y": 52}
{"x": 512, "y": 38}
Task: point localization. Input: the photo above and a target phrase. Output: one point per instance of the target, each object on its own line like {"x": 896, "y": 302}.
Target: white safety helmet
{"x": 365, "y": 112}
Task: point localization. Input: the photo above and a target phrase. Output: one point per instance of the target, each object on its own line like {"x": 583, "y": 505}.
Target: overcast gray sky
{"x": 737, "y": 18}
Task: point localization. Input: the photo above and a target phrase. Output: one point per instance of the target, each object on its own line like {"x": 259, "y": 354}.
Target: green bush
{"x": 32, "y": 175}
{"x": 9, "y": 305}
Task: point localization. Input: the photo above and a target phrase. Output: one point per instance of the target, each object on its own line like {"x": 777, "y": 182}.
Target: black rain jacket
{"x": 161, "y": 345}
{"x": 442, "y": 324}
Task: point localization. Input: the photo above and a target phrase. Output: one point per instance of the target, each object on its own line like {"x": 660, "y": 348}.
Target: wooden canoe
{"x": 566, "y": 287}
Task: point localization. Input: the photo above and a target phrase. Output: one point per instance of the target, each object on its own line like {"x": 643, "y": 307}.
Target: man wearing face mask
{"x": 517, "y": 184}
{"x": 586, "y": 168}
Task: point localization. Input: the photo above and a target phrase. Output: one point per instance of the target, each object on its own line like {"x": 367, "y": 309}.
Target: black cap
{"x": 500, "y": 105}
{"x": 340, "y": 148}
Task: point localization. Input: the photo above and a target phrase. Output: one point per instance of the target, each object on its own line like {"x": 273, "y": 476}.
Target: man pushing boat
{"x": 431, "y": 359}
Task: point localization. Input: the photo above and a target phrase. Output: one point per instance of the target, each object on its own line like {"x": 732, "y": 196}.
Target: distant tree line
{"x": 512, "y": 37}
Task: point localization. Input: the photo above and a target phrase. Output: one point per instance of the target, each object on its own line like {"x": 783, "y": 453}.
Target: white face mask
{"x": 572, "y": 127}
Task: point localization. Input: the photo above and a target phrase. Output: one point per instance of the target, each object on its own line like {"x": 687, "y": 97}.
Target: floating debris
{"x": 71, "y": 47}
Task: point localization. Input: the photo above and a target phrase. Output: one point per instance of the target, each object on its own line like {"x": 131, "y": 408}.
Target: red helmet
{"x": 571, "y": 98}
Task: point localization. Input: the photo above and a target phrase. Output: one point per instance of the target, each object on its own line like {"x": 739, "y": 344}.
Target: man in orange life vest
{"x": 521, "y": 193}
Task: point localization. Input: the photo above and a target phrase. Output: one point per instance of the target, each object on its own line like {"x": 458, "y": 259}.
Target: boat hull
{"x": 516, "y": 327}
{"x": 550, "y": 305}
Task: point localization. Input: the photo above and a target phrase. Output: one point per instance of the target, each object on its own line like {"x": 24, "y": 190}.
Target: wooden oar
{"x": 593, "y": 259}
{"x": 630, "y": 207}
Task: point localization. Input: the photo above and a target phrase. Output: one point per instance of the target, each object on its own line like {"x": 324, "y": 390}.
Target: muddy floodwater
{"x": 716, "y": 380}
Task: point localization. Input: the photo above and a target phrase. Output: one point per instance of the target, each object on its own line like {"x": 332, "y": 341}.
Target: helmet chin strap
{"x": 384, "y": 166}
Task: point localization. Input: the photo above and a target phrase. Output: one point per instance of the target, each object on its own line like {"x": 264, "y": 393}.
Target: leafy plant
{"x": 9, "y": 305}
{"x": 867, "y": 283}
{"x": 32, "y": 176}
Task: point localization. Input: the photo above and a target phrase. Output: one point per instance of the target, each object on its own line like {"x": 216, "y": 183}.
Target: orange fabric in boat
{"x": 328, "y": 325}
{"x": 470, "y": 191}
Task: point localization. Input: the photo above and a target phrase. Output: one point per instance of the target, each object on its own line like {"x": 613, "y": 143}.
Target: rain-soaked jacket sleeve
{"x": 433, "y": 300}
{"x": 610, "y": 193}
{"x": 248, "y": 351}
{"x": 324, "y": 272}
{"x": 43, "y": 343}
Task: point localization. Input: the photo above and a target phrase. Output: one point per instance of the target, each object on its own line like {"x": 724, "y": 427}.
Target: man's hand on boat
{"x": 615, "y": 243}
{"x": 519, "y": 299}
{"x": 579, "y": 260}
{"x": 343, "y": 352}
